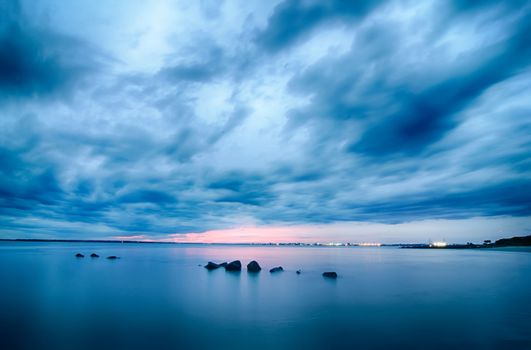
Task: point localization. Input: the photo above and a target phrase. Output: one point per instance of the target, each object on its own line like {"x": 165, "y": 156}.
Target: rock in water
{"x": 94, "y": 255}
{"x": 223, "y": 264}
{"x": 298, "y": 272}
{"x": 276, "y": 269}
{"x": 211, "y": 266}
{"x": 330, "y": 274}
{"x": 79, "y": 255}
{"x": 234, "y": 266}
{"x": 112, "y": 257}
{"x": 253, "y": 266}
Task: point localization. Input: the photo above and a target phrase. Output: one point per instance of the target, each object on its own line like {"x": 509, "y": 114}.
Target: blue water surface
{"x": 157, "y": 296}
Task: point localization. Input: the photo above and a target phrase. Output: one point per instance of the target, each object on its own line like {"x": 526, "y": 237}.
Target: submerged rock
{"x": 253, "y": 266}
{"x": 330, "y": 274}
{"x": 79, "y": 255}
{"x": 112, "y": 257}
{"x": 94, "y": 255}
{"x": 298, "y": 272}
{"x": 211, "y": 266}
{"x": 234, "y": 266}
{"x": 276, "y": 269}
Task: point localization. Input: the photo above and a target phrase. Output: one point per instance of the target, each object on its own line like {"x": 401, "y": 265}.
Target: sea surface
{"x": 157, "y": 296}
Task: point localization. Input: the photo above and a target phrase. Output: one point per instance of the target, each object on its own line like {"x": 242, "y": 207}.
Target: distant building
{"x": 369, "y": 244}
{"x": 487, "y": 241}
{"x": 438, "y": 244}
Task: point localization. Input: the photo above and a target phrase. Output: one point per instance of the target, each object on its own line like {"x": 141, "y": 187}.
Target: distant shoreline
{"x": 290, "y": 244}
{"x": 80, "y": 241}
{"x": 524, "y": 241}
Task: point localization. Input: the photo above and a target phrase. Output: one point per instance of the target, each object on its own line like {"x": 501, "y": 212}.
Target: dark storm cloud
{"x": 27, "y": 190}
{"x": 466, "y": 6}
{"x": 25, "y": 184}
{"x": 293, "y": 21}
{"x": 507, "y": 198}
{"x": 400, "y": 117}
{"x": 35, "y": 61}
{"x": 247, "y": 189}
{"x": 501, "y": 199}
{"x": 30, "y": 186}
{"x": 122, "y": 200}
{"x": 147, "y": 196}
{"x": 425, "y": 117}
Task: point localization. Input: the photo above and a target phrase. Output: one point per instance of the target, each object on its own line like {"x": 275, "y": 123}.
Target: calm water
{"x": 156, "y": 296}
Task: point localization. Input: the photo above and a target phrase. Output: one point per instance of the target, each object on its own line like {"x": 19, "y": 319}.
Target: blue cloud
{"x": 210, "y": 66}
{"x": 293, "y": 21}
{"x": 400, "y": 118}
{"x": 35, "y": 61}
{"x": 391, "y": 118}
{"x": 147, "y": 196}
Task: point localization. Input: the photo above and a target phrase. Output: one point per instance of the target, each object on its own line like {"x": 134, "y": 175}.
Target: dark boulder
{"x": 298, "y": 272}
{"x": 79, "y": 255}
{"x": 234, "y": 266}
{"x": 223, "y": 264}
{"x": 211, "y": 266}
{"x": 112, "y": 257}
{"x": 94, "y": 255}
{"x": 276, "y": 269}
{"x": 330, "y": 274}
{"x": 253, "y": 266}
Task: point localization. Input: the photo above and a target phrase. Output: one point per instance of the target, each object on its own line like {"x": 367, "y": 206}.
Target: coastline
{"x": 508, "y": 244}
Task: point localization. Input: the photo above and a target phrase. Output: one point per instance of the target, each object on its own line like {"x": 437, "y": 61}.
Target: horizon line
{"x": 323, "y": 244}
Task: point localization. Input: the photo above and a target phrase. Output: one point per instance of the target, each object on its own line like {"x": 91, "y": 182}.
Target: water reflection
{"x": 158, "y": 296}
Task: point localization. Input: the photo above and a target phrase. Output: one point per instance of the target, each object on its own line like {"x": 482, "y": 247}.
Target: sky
{"x": 265, "y": 121}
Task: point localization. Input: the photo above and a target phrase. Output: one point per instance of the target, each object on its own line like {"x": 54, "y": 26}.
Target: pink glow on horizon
{"x": 453, "y": 231}
{"x": 243, "y": 235}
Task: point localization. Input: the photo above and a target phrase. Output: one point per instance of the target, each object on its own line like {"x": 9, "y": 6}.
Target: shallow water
{"x": 156, "y": 296}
